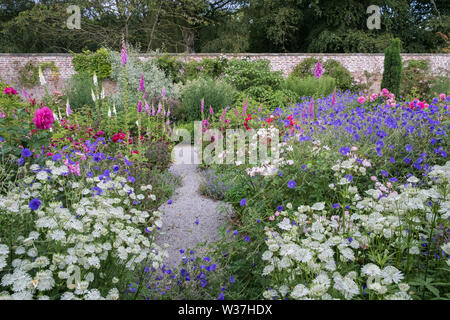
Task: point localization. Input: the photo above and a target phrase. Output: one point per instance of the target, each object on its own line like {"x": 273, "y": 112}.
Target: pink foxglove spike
{"x": 139, "y": 107}
{"x": 147, "y": 107}
{"x": 153, "y": 110}
{"x": 168, "y": 113}
{"x": 124, "y": 54}
{"x": 211, "y": 112}
{"x": 311, "y": 108}
{"x": 244, "y": 112}
{"x": 159, "y": 108}
{"x": 260, "y": 108}
{"x": 141, "y": 83}
{"x": 202, "y": 106}
{"x": 333, "y": 101}
{"x": 163, "y": 92}
{"x": 318, "y": 71}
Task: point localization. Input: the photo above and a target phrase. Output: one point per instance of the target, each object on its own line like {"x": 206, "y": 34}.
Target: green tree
{"x": 392, "y": 74}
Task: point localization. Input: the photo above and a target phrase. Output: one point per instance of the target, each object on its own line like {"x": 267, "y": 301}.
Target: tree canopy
{"x": 334, "y": 26}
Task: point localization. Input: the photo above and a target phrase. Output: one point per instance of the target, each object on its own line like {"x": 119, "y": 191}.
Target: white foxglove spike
{"x": 95, "y": 80}
{"x": 41, "y": 77}
{"x": 102, "y": 94}
{"x": 109, "y": 112}
{"x": 114, "y": 109}
{"x": 93, "y": 95}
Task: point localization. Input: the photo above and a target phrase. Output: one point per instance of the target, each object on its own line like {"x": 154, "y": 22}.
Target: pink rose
{"x": 43, "y": 118}
{"x": 361, "y": 100}
{"x": 442, "y": 96}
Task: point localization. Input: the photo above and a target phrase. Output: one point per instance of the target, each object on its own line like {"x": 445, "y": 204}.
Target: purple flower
{"x": 170, "y": 201}
{"x": 116, "y": 169}
{"x": 336, "y": 205}
{"x": 292, "y": 184}
{"x": 124, "y": 54}
{"x": 232, "y": 279}
{"x": 235, "y": 232}
{"x": 34, "y": 204}
{"x": 21, "y": 161}
{"x": 318, "y": 70}
{"x": 26, "y": 153}
{"x": 197, "y": 222}
{"x": 344, "y": 150}
{"x": 247, "y": 239}
{"x": 243, "y": 202}
{"x": 408, "y": 148}
{"x": 141, "y": 83}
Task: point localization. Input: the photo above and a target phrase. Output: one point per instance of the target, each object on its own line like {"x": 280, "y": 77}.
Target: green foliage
{"x": 308, "y": 86}
{"x": 93, "y": 62}
{"x": 216, "y": 93}
{"x": 392, "y": 74}
{"x": 171, "y": 66}
{"x": 244, "y": 74}
{"x": 155, "y": 80}
{"x": 210, "y": 68}
{"x": 29, "y": 73}
{"x": 78, "y": 90}
{"x": 416, "y": 79}
{"x": 331, "y": 67}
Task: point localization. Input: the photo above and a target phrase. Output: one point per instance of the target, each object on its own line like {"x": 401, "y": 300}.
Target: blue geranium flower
{"x": 34, "y": 204}
{"x": 26, "y": 153}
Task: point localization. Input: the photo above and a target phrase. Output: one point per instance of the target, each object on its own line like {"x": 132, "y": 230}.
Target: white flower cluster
{"x": 65, "y": 249}
{"x": 317, "y": 255}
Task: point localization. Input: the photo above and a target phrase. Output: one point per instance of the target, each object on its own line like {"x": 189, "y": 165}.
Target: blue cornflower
{"x": 292, "y": 184}
{"x": 26, "y": 153}
{"x": 34, "y": 204}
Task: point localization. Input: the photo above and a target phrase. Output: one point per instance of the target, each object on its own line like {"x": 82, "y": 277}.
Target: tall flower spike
{"x": 211, "y": 111}
{"x": 114, "y": 109}
{"x": 245, "y": 106}
{"x": 147, "y": 107}
{"x": 93, "y": 95}
{"x": 163, "y": 92}
{"x": 202, "y": 105}
{"x": 41, "y": 77}
{"x": 109, "y": 112}
{"x": 141, "y": 83}
{"x": 311, "y": 108}
{"x": 124, "y": 54}
{"x": 139, "y": 107}
{"x": 318, "y": 71}
{"x": 333, "y": 101}
{"x": 68, "y": 110}
{"x": 102, "y": 93}
{"x": 94, "y": 78}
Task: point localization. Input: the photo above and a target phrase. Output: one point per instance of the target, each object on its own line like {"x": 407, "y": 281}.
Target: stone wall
{"x": 356, "y": 63}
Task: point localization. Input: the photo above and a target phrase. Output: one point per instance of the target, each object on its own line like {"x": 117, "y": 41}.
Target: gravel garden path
{"x": 190, "y": 218}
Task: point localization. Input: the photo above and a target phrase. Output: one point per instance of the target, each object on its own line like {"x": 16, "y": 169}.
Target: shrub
{"x": 78, "y": 90}
{"x": 210, "y": 68}
{"x": 244, "y": 74}
{"x": 155, "y": 79}
{"x": 305, "y": 87}
{"x": 171, "y": 66}
{"x": 332, "y": 68}
{"x": 93, "y": 62}
{"x": 216, "y": 93}
{"x": 416, "y": 79}
{"x": 392, "y": 74}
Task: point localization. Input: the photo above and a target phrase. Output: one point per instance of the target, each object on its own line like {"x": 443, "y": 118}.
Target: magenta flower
{"x": 141, "y": 83}
{"x": 202, "y": 106}
{"x": 124, "y": 54}
{"x": 211, "y": 112}
{"x": 318, "y": 71}
{"x": 43, "y": 118}
{"x": 10, "y": 91}
{"x": 163, "y": 92}
{"x": 139, "y": 107}
{"x": 311, "y": 109}
{"x": 333, "y": 101}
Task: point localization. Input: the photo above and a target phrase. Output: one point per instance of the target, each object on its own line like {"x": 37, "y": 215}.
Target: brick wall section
{"x": 355, "y": 63}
